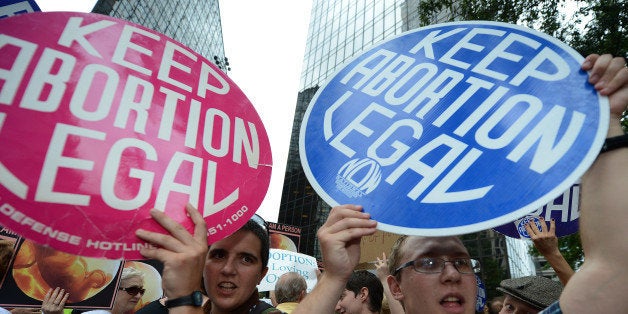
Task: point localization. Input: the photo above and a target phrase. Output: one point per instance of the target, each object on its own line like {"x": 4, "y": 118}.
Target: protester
{"x": 290, "y": 289}
{"x": 598, "y": 287}
{"x": 130, "y": 291}
{"x": 363, "y": 294}
{"x": 231, "y": 268}
{"x": 528, "y": 294}
{"x": 419, "y": 264}
{"x": 546, "y": 242}
{"x": 600, "y": 284}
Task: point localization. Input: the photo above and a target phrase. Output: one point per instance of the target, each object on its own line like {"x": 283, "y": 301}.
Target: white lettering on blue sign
{"x": 479, "y": 120}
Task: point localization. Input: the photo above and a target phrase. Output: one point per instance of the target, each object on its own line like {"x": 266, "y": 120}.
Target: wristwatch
{"x": 194, "y": 299}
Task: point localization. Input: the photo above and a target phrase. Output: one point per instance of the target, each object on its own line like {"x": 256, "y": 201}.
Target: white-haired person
{"x": 129, "y": 292}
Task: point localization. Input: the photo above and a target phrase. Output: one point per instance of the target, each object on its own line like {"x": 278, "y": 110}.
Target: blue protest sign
{"x": 453, "y": 128}
{"x": 563, "y": 209}
{"x": 10, "y": 8}
{"x": 480, "y": 299}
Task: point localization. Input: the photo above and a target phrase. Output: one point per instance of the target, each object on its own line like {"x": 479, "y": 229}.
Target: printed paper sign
{"x": 102, "y": 120}
{"x": 282, "y": 261}
{"x": 564, "y": 210}
{"x": 284, "y": 236}
{"x": 453, "y": 128}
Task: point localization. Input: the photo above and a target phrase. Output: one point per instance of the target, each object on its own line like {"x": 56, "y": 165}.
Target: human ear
{"x": 364, "y": 293}
{"x": 394, "y": 288}
{"x": 264, "y": 271}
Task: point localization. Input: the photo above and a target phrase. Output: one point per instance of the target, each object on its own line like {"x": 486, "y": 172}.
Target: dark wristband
{"x": 615, "y": 143}
{"x": 194, "y": 299}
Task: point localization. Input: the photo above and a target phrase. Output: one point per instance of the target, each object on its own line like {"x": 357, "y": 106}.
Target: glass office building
{"x": 194, "y": 23}
{"x": 338, "y": 31}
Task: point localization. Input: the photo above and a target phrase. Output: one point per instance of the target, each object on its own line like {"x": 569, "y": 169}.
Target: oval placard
{"x": 453, "y": 128}
{"x": 102, "y": 119}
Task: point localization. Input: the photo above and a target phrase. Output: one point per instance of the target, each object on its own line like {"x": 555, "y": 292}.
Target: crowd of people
{"x": 420, "y": 275}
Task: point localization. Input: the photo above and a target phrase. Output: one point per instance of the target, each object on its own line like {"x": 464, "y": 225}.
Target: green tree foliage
{"x": 606, "y": 29}
{"x": 598, "y": 25}
{"x": 542, "y": 15}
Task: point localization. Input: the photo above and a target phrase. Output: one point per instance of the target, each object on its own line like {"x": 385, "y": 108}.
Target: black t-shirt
{"x": 153, "y": 308}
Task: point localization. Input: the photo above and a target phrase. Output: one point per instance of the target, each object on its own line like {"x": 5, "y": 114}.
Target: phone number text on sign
{"x": 102, "y": 120}
{"x": 453, "y": 128}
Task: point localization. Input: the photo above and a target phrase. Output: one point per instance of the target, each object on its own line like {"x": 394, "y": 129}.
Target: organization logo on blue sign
{"x": 453, "y": 128}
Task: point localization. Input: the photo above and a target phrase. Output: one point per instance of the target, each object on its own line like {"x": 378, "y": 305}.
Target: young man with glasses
{"x": 440, "y": 265}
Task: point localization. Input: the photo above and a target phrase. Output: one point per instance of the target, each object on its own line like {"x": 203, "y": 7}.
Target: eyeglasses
{"x": 435, "y": 265}
{"x": 133, "y": 290}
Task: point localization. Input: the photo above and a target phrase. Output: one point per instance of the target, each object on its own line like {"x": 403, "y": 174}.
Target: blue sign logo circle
{"x": 453, "y": 128}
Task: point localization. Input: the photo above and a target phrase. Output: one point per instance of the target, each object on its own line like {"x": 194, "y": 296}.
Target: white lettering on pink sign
{"x": 102, "y": 120}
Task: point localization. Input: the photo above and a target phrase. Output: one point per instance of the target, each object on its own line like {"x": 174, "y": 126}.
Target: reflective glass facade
{"x": 338, "y": 31}
{"x": 194, "y": 23}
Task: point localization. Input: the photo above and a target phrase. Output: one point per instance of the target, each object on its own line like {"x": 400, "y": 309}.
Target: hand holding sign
{"x": 608, "y": 74}
{"x": 183, "y": 254}
{"x": 546, "y": 242}
{"x": 340, "y": 237}
{"x": 544, "y": 239}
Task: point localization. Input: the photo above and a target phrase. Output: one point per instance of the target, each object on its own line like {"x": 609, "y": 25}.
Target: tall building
{"x": 194, "y": 23}
{"x": 338, "y": 31}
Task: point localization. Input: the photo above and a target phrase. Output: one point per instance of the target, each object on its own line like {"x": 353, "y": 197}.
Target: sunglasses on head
{"x": 260, "y": 221}
{"x": 133, "y": 290}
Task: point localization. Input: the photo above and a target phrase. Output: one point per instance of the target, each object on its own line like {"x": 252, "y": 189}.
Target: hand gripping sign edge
{"x": 333, "y": 94}
{"x": 163, "y": 127}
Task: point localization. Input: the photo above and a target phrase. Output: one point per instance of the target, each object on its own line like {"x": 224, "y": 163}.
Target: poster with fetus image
{"x": 35, "y": 269}
{"x": 102, "y": 120}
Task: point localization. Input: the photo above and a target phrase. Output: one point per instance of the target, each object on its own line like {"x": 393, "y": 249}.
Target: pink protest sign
{"x": 102, "y": 120}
